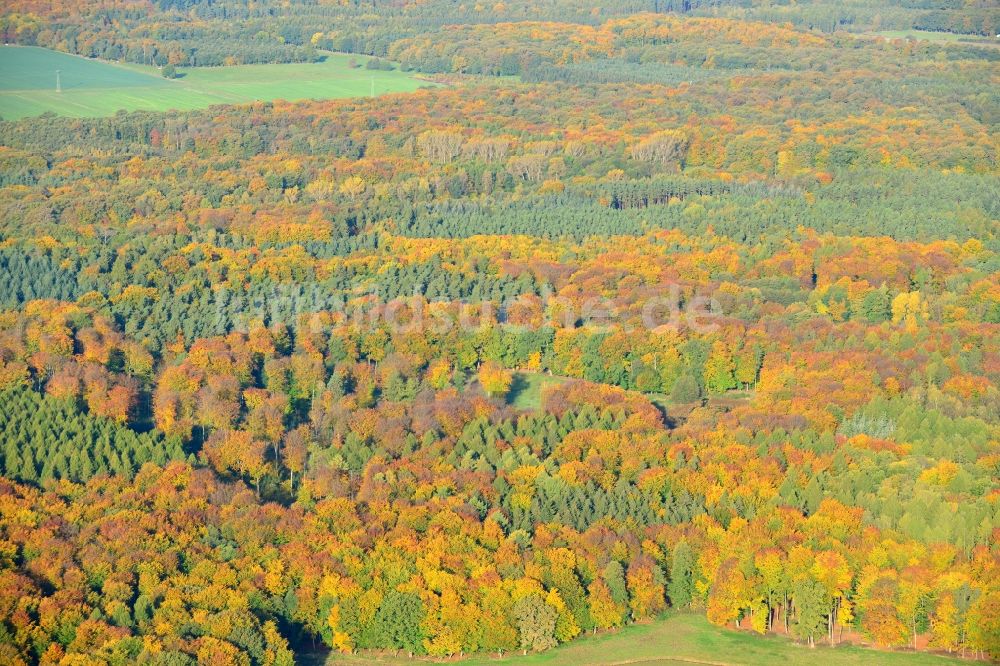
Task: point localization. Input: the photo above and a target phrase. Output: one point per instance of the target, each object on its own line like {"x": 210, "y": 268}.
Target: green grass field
{"x": 526, "y": 389}
{"x": 97, "y": 88}
{"x": 685, "y": 639}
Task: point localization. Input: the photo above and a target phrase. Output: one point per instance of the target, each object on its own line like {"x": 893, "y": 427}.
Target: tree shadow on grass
{"x": 518, "y": 385}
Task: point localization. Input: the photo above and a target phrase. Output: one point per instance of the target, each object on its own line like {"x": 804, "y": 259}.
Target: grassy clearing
{"x": 922, "y": 34}
{"x": 96, "y": 88}
{"x": 526, "y": 393}
{"x": 929, "y": 36}
{"x": 526, "y": 389}
{"x": 685, "y": 639}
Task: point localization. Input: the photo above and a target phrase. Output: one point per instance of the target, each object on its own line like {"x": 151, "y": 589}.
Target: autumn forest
{"x": 639, "y": 308}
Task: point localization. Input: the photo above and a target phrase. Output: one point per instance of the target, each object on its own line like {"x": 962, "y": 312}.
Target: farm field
{"x": 96, "y": 88}
{"x": 684, "y": 638}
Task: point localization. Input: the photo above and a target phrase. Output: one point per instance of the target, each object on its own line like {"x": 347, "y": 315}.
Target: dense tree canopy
{"x": 657, "y": 304}
{"x": 227, "y": 32}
